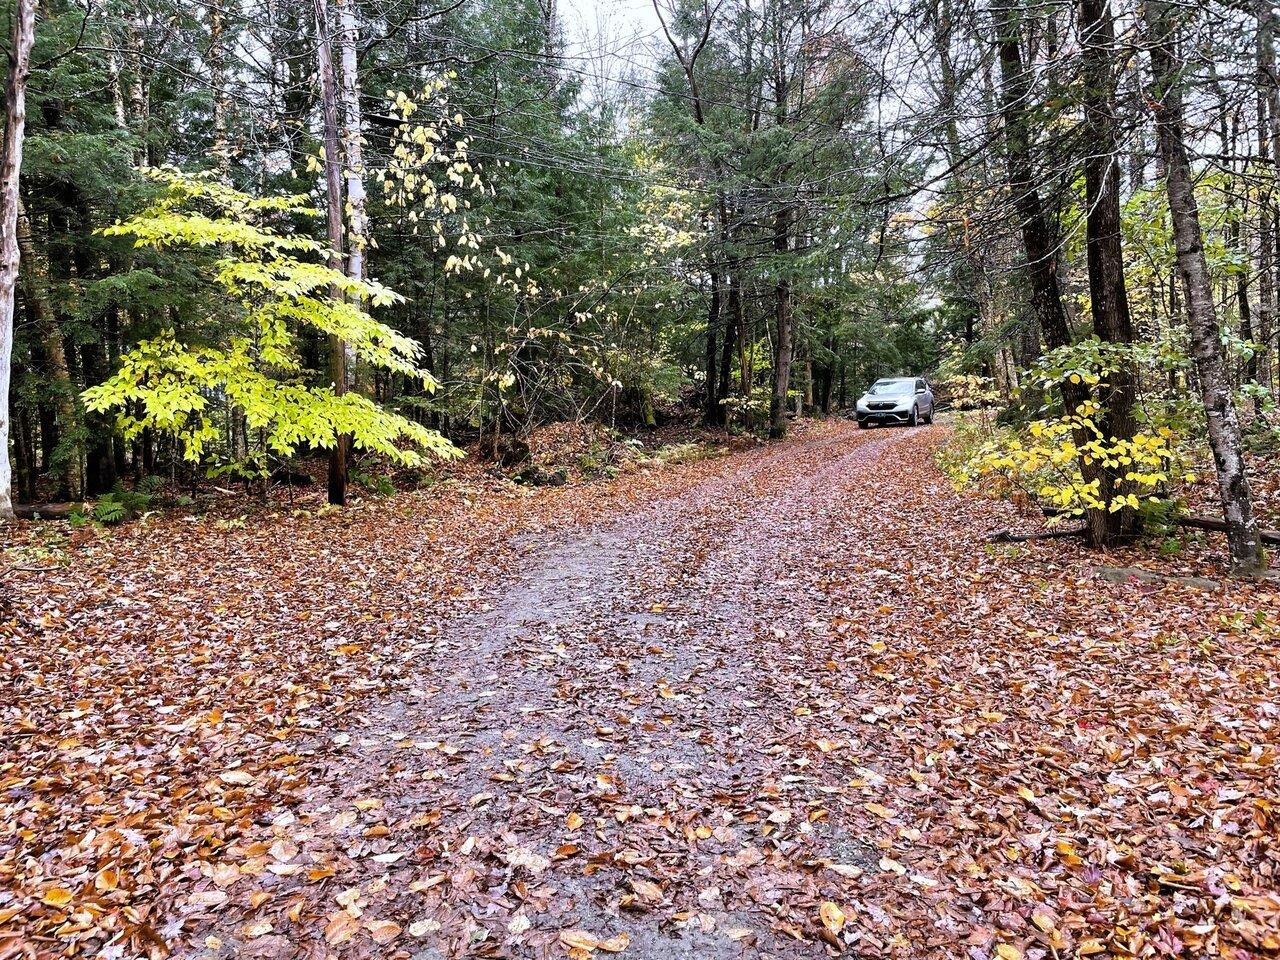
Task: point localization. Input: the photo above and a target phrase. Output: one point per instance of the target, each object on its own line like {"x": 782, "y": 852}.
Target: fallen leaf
{"x": 340, "y": 928}
{"x": 832, "y": 917}
{"x": 382, "y": 931}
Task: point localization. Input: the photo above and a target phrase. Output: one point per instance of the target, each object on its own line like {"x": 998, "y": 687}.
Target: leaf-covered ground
{"x": 785, "y": 703}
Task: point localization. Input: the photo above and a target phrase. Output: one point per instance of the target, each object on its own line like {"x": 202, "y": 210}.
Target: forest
{"x": 437, "y": 518}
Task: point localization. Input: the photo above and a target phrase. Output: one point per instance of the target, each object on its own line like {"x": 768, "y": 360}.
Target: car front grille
{"x": 881, "y": 406}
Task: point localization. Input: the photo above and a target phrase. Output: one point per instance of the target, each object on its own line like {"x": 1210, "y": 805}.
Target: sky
{"x": 627, "y": 25}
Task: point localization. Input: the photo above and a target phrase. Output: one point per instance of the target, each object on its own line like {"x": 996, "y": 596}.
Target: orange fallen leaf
{"x": 382, "y": 931}
{"x": 340, "y": 928}
{"x": 880, "y": 811}
{"x": 106, "y": 879}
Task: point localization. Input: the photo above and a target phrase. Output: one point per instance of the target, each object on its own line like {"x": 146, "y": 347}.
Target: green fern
{"x": 110, "y": 510}
{"x": 119, "y": 505}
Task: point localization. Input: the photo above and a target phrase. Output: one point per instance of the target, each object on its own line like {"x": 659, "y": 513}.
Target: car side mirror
{"x": 920, "y": 390}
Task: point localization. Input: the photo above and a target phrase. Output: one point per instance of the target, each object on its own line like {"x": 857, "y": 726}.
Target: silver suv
{"x": 896, "y": 400}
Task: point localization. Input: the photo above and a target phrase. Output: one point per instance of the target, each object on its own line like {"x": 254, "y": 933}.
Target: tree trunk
{"x": 1269, "y": 141}
{"x": 783, "y": 223}
{"x": 713, "y": 409}
{"x": 139, "y": 85}
{"x": 1207, "y": 351}
{"x": 1109, "y": 298}
{"x": 352, "y": 140}
{"x": 24, "y": 29}
{"x": 732, "y": 324}
{"x": 782, "y": 321}
{"x": 333, "y": 209}
{"x": 218, "y": 73}
{"x": 1265, "y": 269}
{"x": 1039, "y": 241}
{"x": 53, "y": 354}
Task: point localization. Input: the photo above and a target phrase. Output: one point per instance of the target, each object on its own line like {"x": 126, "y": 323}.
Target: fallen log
{"x": 1008, "y": 536}
{"x": 1219, "y": 526}
{"x": 1271, "y": 537}
{"x": 45, "y": 511}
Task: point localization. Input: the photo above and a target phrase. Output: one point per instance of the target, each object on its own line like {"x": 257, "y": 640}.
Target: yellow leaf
{"x": 574, "y": 821}
{"x": 57, "y": 897}
{"x": 880, "y": 811}
{"x": 1006, "y": 951}
{"x": 832, "y": 917}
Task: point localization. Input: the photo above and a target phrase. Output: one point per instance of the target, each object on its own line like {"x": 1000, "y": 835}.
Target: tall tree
{"x": 1108, "y": 293}
{"x": 15, "y": 99}
{"x": 334, "y": 227}
{"x": 1207, "y": 350}
{"x": 783, "y": 218}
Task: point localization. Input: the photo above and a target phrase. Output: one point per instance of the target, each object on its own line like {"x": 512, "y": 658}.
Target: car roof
{"x": 895, "y": 379}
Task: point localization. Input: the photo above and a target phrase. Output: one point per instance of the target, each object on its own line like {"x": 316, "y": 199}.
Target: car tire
{"x": 862, "y": 424}
{"x": 915, "y": 417}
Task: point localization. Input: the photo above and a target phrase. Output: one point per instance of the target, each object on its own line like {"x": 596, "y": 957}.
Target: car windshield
{"x": 890, "y": 387}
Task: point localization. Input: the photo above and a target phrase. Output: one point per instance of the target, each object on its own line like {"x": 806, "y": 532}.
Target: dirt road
{"x": 645, "y": 675}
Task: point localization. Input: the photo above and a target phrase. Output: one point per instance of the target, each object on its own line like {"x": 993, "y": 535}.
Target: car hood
{"x": 885, "y": 398}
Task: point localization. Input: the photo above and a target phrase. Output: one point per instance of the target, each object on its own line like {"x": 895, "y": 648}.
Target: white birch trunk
{"x": 24, "y": 29}
{"x": 352, "y": 140}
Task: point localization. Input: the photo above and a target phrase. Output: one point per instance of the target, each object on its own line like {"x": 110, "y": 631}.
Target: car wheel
{"x": 915, "y": 417}
{"x": 862, "y": 424}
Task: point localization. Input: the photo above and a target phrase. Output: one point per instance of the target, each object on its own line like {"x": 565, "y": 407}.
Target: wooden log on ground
{"x": 45, "y": 511}
{"x": 1271, "y": 537}
{"x": 1219, "y": 526}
